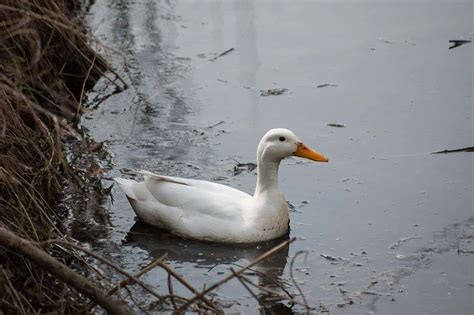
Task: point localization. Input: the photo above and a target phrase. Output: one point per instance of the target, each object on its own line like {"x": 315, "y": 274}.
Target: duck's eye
{"x": 282, "y": 139}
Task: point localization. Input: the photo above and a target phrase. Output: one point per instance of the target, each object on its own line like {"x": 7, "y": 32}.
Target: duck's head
{"x": 280, "y": 143}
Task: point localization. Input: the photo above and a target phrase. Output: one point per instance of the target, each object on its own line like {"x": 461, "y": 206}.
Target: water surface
{"x": 393, "y": 215}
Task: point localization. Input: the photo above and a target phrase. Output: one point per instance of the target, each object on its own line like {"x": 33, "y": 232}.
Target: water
{"x": 392, "y": 215}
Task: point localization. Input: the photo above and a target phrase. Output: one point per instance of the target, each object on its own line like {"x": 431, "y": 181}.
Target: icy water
{"x": 385, "y": 223}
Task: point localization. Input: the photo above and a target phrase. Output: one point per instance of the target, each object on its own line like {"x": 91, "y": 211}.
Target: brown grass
{"x": 46, "y": 65}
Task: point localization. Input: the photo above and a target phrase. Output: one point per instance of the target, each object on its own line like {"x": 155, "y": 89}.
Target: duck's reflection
{"x": 267, "y": 274}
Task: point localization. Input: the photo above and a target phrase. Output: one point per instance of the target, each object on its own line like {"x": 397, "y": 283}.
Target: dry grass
{"x": 46, "y": 65}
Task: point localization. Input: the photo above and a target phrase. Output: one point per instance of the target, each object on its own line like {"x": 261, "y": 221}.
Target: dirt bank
{"x": 46, "y": 65}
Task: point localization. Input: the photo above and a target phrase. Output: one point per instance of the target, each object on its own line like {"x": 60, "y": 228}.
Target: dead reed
{"x": 46, "y": 64}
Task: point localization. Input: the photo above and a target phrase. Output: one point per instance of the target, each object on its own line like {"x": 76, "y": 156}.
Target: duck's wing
{"x": 196, "y": 197}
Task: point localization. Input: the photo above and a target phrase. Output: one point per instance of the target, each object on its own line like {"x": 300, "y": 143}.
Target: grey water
{"x": 385, "y": 224}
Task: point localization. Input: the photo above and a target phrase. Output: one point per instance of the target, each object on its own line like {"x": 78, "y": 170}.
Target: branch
{"x": 109, "y": 263}
{"x": 45, "y": 261}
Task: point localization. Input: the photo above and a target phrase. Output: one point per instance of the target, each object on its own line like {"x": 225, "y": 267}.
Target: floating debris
{"x": 222, "y": 54}
{"x": 326, "y": 85}
{"x": 374, "y": 293}
{"x": 336, "y": 125}
{"x": 403, "y": 240}
{"x": 458, "y": 42}
{"x": 216, "y": 124}
{"x": 465, "y": 251}
{"x": 467, "y": 149}
{"x": 240, "y": 167}
{"x": 291, "y": 207}
{"x": 386, "y": 41}
{"x": 271, "y": 92}
{"x": 328, "y": 257}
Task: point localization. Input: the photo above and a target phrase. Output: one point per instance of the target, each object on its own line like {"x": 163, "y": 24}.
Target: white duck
{"x": 213, "y": 212}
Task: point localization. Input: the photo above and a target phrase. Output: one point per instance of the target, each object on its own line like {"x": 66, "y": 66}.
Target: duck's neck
{"x": 267, "y": 176}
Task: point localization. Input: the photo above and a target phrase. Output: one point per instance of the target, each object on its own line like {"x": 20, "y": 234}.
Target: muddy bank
{"x": 46, "y": 66}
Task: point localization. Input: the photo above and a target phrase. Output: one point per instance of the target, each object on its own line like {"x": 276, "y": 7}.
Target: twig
{"x": 272, "y": 280}
{"x": 109, "y": 263}
{"x": 170, "y": 290}
{"x": 246, "y": 286}
{"x": 216, "y": 124}
{"x": 29, "y": 249}
{"x": 14, "y": 294}
{"x": 129, "y": 281}
{"x": 294, "y": 281}
{"x": 186, "y": 284}
{"x": 134, "y": 301}
{"x": 467, "y": 149}
{"x": 222, "y": 54}
{"x": 238, "y": 272}
{"x": 83, "y": 261}
{"x": 81, "y": 97}
{"x": 272, "y": 292}
{"x": 465, "y": 251}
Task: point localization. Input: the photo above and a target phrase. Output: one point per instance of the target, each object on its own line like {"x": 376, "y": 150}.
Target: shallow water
{"x": 391, "y": 214}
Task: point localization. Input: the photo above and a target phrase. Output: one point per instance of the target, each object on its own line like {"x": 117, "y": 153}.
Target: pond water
{"x": 397, "y": 220}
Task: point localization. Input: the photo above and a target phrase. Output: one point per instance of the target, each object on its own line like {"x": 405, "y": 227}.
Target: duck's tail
{"x": 126, "y": 185}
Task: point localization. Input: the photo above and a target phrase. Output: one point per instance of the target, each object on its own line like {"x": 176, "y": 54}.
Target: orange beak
{"x": 308, "y": 153}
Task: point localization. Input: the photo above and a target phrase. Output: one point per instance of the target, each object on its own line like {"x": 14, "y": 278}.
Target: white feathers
{"x": 210, "y": 211}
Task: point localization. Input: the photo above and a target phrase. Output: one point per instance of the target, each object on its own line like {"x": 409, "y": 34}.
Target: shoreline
{"x": 47, "y": 65}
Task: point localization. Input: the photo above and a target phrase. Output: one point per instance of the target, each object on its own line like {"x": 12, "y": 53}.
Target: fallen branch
{"x": 45, "y": 261}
